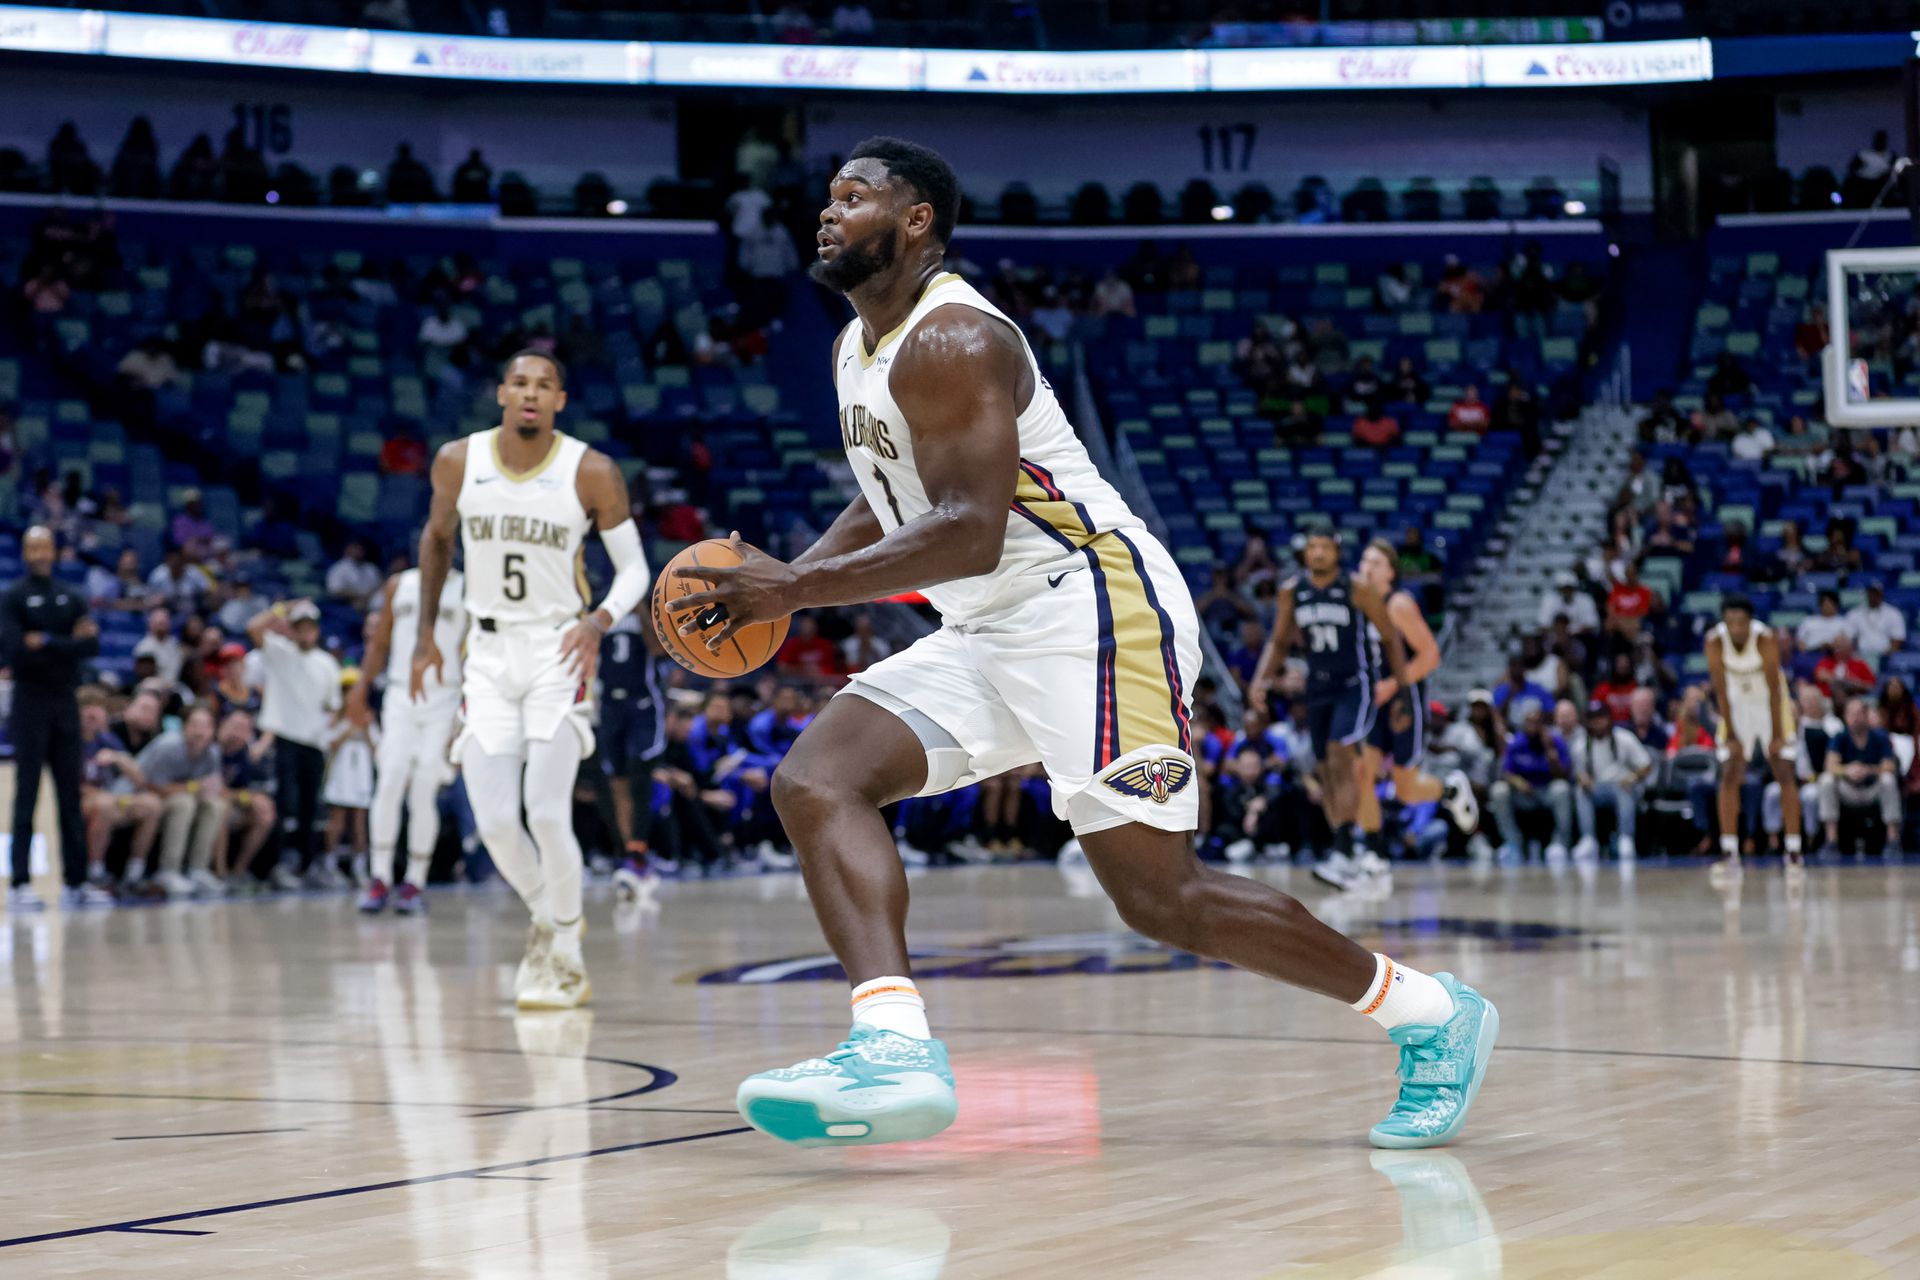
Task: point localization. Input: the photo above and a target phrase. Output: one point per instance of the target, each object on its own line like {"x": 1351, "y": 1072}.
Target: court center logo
{"x": 1154, "y": 779}
{"x": 1100, "y": 953}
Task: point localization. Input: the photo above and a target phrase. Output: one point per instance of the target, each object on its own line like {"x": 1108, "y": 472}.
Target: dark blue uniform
{"x": 1342, "y": 656}
{"x": 1400, "y": 728}
{"x": 632, "y": 721}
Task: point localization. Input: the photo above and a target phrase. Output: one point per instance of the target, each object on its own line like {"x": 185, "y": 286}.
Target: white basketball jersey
{"x": 1060, "y": 501}
{"x": 1746, "y": 670}
{"x": 524, "y": 535}
{"x": 449, "y": 629}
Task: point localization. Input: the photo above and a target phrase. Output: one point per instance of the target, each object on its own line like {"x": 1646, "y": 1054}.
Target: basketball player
{"x": 522, "y": 497}
{"x": 1400, "y": 730}
{"x": 1069, "y": 640}
{"x": 1756, "y": 724}
{"x": 411, "y": 763}
{"x": 632, "y": 734}
{"x": 1345, "y": 626}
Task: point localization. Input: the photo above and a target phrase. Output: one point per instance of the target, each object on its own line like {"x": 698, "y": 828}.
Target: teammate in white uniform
{"x": 1069, "y": 638}
{"x": 412, "y": 762}
{"x": 522, "y": 497}
{"x": 1756, "y": 724}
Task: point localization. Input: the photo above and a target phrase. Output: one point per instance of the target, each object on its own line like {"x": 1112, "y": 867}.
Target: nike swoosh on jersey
{"x": 1057, "y": 579}
{"x": 485, "y": 479}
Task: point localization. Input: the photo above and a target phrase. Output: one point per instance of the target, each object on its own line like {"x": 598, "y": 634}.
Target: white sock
{"x": 1730, "y": 846}
{"x": 418, "y": 864}
{"x": 382, "y": 866}
{"x": 1400, "y": 996}
{"x": 1793, "y": 843}
{"x": 892, "y": 1004}
{"x": 566, "y": 940}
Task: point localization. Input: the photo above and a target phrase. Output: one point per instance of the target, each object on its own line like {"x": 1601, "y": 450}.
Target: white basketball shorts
{"x": 514, "y": 689}
{"x": 1090, "y": 674}
{"x": 417, "y": 735}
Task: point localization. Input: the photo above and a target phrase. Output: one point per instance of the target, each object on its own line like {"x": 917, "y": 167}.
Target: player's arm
{"x": 1275, "y": 652}
{"x": 1717, "y": 673}
{"x": 603, "y": 492}
{"x": 1423, "y": 651}
{"x": 1368, "y": 602}
{"x": 956, "y": 380}
{"x": 852, "y": 530}
{"x": 373, "y": 659}
{"x": 436, "y": 559}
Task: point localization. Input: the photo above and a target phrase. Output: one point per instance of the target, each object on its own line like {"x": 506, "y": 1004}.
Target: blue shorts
{"x": 630, "y": 732}
{"x": 1400, "y": 731}
{"x": 1343, "y": 713}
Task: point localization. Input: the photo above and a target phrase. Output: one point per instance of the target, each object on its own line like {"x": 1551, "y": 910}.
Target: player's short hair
{"x": 559, "y": 370}
{"x": 931, "y": 177}
{"x": 1388, "y": 550}
{"x": 1737, "y": 603}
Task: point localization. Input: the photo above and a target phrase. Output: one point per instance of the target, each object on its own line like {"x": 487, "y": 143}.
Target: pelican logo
{"x": 1154, "y": 779}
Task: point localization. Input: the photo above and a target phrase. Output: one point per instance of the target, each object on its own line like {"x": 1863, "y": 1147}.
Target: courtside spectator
{"x": 1610, "y": 765}
{"x": 301, "y": 693}
{"x": 183, "y": 769}
{"x": 1860, "y": 778}
{"x": 1535, "y": 778}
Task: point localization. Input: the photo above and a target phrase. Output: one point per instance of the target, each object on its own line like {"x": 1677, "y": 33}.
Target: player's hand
{"x": 580, "y": 648}
{"x": 86, "y": 629}
{"x": 34, "y": 640}
{"x": 426, "y": 657}
{"x": 1258, "y": 692}
{"x": 1384, "y": 691}
{"x": 758, "y": 589}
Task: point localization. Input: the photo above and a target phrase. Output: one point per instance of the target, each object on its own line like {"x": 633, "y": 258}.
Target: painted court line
{"x": 211, "y": 1133}
{"x": 145, "y": 1225}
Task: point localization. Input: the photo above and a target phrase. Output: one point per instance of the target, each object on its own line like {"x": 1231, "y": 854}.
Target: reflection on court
{"x": 1691, "y": 1083}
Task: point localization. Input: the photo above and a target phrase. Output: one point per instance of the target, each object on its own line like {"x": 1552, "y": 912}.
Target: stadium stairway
{"x": 1557, "y": 514}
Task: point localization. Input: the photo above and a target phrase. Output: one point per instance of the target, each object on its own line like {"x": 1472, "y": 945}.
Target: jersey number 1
{"x": 892, "y": 502}
{"x": 513, "y": 582}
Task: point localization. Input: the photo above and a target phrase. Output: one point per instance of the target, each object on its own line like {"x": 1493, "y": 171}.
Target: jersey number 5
{"x": 513, "y": 582}
{"x": 1323, "y": 637}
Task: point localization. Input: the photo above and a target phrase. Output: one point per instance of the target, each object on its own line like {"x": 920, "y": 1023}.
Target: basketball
{"x": 748, "y": 649}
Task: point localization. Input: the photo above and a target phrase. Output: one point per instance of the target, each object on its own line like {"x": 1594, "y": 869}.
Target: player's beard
{"x": 858, "y": 262}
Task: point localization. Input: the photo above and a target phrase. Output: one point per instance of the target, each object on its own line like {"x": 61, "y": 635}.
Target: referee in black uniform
{"x": 46, "y": 637}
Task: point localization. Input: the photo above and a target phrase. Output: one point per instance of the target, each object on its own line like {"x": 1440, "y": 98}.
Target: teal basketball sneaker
{"x": 1440, "y": 1071}
{"x": 878, "y": 1086}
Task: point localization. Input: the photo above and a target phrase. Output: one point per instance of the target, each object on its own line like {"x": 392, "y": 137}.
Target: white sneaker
{"x": 207, "y": 884}
{"x": 1556, "y": 852}
{"x": 22, "y": 898}
{"x": 969, "y": 849}
{"x": 774, "y": 858}
{"x": 1624, "y": 850}
{"x": 176, "y": 885}
{"x": 1281, "y": 852}
{"x": 1373, "y": 873}
{"x": 1338, "y": 870}
{"x": 909, "y": 855}
{"x": 1586, "y": 849}
{"x": 1240, "y": 851}
{"x": 86, "y": 896}
{"x": 539, "y": 947}
{"x": 285, "y": 877}
{"x": 559, "y": 983}
{"x": 1480, "y": 849}
{"x": 1460, "y": 803}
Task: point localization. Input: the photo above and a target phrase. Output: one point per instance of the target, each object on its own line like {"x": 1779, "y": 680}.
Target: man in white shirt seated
{"x": 1817, "y": 632}
{"x": 1754, "y": 442}
{"x": 1877, "y": 627}
{"x": 1609, "y": 764}
{"x": 1583, "y": 617}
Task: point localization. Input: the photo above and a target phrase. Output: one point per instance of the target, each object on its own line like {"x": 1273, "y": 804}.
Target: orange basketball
{"x": 748, "y": 649}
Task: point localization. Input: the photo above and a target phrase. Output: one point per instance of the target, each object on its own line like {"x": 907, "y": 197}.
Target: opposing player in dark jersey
{"x": 632, "y": 733}
{"x": 1400, "y": 729}
{"x": 1330, "y": 613}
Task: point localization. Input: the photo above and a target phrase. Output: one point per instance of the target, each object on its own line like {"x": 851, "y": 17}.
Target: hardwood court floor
{"x": 287, "y": 1089}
